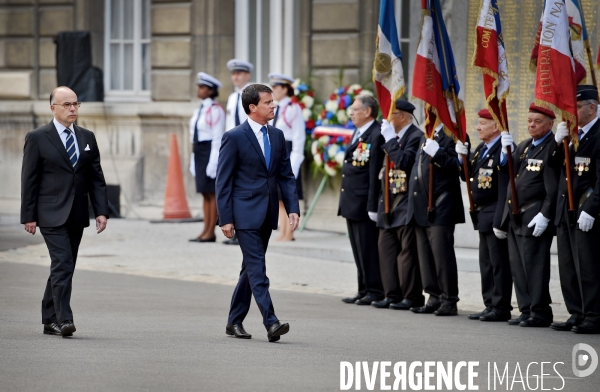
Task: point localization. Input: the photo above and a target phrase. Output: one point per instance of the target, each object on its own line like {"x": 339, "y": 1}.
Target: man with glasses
{"x": 61, "y": 167}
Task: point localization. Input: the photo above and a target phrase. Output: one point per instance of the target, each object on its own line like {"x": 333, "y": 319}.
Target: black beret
{"x": 586, "y": 91}
{"x": 405, "y": 106}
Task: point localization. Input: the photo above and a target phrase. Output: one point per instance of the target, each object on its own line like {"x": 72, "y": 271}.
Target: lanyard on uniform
{"x": 289, "y": 124}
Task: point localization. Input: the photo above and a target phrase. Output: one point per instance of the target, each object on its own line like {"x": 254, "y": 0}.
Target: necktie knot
{"x": 70, "y": 147}
{"x": 580, "y": 133}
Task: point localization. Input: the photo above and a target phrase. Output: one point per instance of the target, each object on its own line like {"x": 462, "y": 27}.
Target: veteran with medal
{"x": 359, "y": 195}
{"x": 529, "y": 236}
{"x": 488, "y": 187}
{"x": 398, "y": 258}
{"x": 577, "y": 231}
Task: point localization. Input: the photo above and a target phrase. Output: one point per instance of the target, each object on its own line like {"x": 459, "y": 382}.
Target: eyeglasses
{"x": 67, "y": 105}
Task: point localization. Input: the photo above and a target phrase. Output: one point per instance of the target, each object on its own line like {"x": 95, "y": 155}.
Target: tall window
{"x": 402, "y": 9}
{"x": 127, "y": 50}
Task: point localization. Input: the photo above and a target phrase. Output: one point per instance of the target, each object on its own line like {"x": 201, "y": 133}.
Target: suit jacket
{"x": 360, "y": 184}
{"x": 402, "y": 153}
{"x": 245, "y": 189}
{"x": 536, "y": 189}
{"x": 589, "y": 147}
{"x": 51, "y": 188}
{"x": 447, "y": 198}
{"x": 489, "y": 197}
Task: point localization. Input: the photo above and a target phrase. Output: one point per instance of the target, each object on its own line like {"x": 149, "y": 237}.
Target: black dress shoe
{"x": 276, "y": 330}
{"x": 51, "y": 329}
{"x": 213, "y": 239}
{"x": 446, "y": 310}
{"x": 67, "y": 328}
{"x": 533, "y": 322}
{"x": 232, "y": 241}
{"x": 238, "y": 331}
{"x": 567, "y": 325}
{"x": 586, "y": 328}
{"x": 406, "y": 304}
{"x": 495, "y": 315}
{"x": 477, "y": 316}
{"x": 517, "y": 321}
{"x": 366, "y": 300}
{"x": 425, "y": 309}
{"x": 384, "y": 303}
{"x": 351, "y": 300}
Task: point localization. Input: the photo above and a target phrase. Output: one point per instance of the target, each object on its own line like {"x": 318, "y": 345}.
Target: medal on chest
{"x": 485, "y": 178}
{"x": 397, "y": 179}
{"x": 361, "y": 155}
{"x": 582, "y": 164}
{"x": 534, "y": 165}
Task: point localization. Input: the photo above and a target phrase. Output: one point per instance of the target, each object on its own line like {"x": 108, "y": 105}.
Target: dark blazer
{"x": 402, "y": 153}
{"x": 51, "y": 188}
{"x": 245, "y": 188}
{"x": 360, "y": 184}
{"x": 589, "y": 147}
{"x": 488, "y": 202}
{"x": 533, "y": 186}
{"x": 447, "y": 198}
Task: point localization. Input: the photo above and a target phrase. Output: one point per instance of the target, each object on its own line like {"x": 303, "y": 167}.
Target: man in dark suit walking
{"x": 253, "y": 163}
{"x": 61, "y": 167}
{"x": 397, "y": 245}
{"x": 359, "y": 197}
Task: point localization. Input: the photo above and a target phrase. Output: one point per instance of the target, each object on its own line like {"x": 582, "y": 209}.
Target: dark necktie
{"x": 70, "y": 146}
{"x": 267, "y": 147}
{"x": 482, "y": 153}
{"x": 355, "y": 136}
{"x": 237, "y": 110}
{"x": 580, "y": 134}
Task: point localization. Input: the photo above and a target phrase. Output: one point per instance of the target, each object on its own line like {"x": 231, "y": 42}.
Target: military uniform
{"x": 398, "y": 257}
{"x": 435, "y": 234}
{"x": 359, "y": 194}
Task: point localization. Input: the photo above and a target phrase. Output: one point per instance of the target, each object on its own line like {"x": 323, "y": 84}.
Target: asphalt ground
{"x": 138, "y": 333}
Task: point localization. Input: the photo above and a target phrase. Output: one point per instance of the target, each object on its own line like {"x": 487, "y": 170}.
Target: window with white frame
{"x": 402, "y": 9}
{"x": 127, "y": 50}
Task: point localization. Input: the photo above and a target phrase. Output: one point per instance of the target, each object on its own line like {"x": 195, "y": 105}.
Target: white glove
{"x": 501, "y": 235}
{"x": 193, "y": 165}
{"x": 585, "y": 221}
{"x": 373, "y": 216}
{"x": 387, "y": 131}
{"x": 541, "y": 224}
{"x": 211, "y": 170}
{"x": 562, "y": 131}
{"x": 507, "y": 141}
{"x": 462, "y": 148}
{"x": 431, "y": 147}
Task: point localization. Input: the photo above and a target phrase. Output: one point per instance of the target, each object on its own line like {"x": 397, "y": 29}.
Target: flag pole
{"x": 463, "y": 156}
{"x": 568, "y": 169}
{"x": 587, "y": 47}
{"x": 386, "y": 186}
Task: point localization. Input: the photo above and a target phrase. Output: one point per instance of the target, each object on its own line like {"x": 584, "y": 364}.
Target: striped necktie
{"x": 70, "y": 146}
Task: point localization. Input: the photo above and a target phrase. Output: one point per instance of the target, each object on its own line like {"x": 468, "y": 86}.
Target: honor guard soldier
{"x": 529, "y": 237}
{"x": 488, "y": 187}
{"x": 398, "y": 258}
{"x": 359, "y": 196}
{"x": 435, "y": 230}
{"x": 577, "y": 231}
{"x": 240, "y": 78}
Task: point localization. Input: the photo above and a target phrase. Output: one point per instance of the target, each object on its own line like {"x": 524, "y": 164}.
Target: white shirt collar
{"x": 61, "y": 128}
{"x": 588, "y": 126}
{"x": 439, "y": 128}
{"x": 206, "y": 102}
{"x": 364, "y": 128}
{"x": 491, "y": 144}
{"x": 284, "y": 102}
{"x": 255, "y": 126}
{"x": 403, "y": 131}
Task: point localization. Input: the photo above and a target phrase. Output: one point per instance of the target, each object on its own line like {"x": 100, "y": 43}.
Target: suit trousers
{"x": 437, "y": 261}
{"x": 568, "y": 267}
{"x": 530, "y": 267}
{"x": 253, "y": 278}
{"x": 399, "y": 264}
{"x": 63, "y": 246}
{"x": 494, "y": 267}
{"x": 363, "y": 239}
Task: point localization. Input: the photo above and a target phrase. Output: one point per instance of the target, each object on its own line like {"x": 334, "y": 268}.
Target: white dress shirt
{"x": 235, "y": 99}
{"x": 400, "y": 134}
{"x": 363, "y": 129}
{"x": 588, "y": 126}
{"x": 258, "y": 133}
{"x": 291, "y": 123}
{"x": 63, "y": 135}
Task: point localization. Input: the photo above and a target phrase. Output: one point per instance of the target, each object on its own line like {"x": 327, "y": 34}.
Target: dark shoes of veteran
{"x": 65, "y": 329}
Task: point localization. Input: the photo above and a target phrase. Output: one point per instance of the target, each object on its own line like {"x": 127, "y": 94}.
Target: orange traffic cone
{"x": 176, "y": 206}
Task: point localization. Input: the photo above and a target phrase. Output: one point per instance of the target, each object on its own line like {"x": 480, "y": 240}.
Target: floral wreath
{"x": 335, "y": 110}
{"x": 304, "y": 96}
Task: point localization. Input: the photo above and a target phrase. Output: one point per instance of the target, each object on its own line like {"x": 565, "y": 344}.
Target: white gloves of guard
{"x": 507, "y": 141}
{"x": 586, "y": 221}
{"x": 541, "y": 224}
{"x": 431, "y": 147}
{"x": 211, "y": 170}
{"x": 501, "y": 235}
{"x": 373, "y": 216}
{"x": 387, "y": 131}
{"x": 462, "y": 148}
{"x": 562, "y": 131}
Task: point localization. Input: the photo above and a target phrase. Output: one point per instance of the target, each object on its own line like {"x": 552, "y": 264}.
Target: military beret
{"x": 405, "y": 106}
{"x": 235, "y": 65}
{"x": 484, "y": 113}
{"x": 585, "y": 92}
{"x": 533, "y": 108}
{"x": 207, "y": 80}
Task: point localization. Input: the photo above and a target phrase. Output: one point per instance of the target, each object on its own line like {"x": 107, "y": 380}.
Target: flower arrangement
{"x": 304, "y": 96}
{"x": 335, "y": 111}
{"x": 328, "y": 153}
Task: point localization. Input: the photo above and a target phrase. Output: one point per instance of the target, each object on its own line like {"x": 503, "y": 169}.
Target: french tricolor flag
{"x": 555, "y": 84}
{"x": 387, "y": 67}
